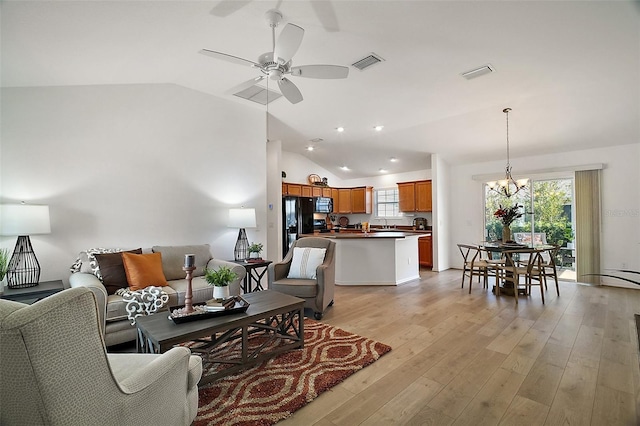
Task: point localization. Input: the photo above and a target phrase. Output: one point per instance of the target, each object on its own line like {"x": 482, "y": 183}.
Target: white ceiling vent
{"x": 368, "y": 61}
{"x": 477, "y": 72}
{"x": 258, "y": 94}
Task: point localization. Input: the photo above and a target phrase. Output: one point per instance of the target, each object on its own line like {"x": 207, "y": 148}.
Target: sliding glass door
{"x": 549, "y": 218}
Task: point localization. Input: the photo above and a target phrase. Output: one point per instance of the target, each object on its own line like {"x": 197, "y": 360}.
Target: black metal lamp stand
{"x": 24, "y": 269}
{"x": 241, "y": 251}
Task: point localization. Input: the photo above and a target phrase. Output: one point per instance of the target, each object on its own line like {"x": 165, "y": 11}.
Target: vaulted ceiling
{"x": 570, "y": 70}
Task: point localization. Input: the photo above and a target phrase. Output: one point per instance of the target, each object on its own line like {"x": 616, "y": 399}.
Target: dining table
{"x": 496, "y": 251}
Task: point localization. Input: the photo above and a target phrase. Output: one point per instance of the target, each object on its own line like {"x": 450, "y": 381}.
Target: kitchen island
{"x": 375, "y": 258}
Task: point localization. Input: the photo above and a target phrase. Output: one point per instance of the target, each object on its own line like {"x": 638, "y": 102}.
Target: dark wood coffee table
{"x": 271, "y": 314}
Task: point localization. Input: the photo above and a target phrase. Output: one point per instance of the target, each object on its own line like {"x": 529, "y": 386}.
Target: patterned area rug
{"x": 272, "y": 390}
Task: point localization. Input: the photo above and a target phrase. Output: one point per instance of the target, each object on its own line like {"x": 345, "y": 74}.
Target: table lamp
{"x": 242, "y": 218}
{"x": 23, "y": 220}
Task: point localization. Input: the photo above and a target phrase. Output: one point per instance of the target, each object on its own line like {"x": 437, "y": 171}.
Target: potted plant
{"x": 254, "y": 251}
{"x": 220, "y": 279}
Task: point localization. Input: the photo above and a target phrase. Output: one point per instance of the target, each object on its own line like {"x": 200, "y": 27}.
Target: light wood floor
{"x": 474, "y": 359}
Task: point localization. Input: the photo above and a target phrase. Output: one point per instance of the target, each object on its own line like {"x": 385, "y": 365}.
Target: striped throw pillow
{"x": 305, "y": 261}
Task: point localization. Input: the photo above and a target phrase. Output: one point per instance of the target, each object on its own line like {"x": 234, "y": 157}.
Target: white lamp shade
{"x": 242, "y": 218}
{"x": 24, "y": 219}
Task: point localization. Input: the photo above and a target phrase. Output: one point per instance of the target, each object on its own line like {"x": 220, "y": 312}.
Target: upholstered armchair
{"x": 317, "y": 292}
{"x": 54, "y": 370}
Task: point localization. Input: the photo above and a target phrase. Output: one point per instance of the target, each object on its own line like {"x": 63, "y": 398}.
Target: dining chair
{"x": 548, "y": 265}
{"x": 473, "y": 264}
{"x": 512, "y": 270}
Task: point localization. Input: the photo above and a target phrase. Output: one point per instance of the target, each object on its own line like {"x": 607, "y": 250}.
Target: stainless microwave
{"x": 322, "y": 205}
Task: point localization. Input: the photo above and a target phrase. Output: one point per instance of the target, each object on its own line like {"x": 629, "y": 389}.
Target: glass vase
{"x": 506, "y": 233}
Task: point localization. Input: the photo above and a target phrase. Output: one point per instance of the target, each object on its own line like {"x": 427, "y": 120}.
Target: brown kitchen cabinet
{"x": 407, "y": 196}
{"x": 362, "y": 199}
{"x": 423, "y": 196}
{"x": 415, "y": 196}
{"x": 425, "y": 251}
{"x": 316, "y": 191}
{"x": 336, "y": 200}
{"x": 307, "y": 191}
{"x": 326, "y": 192}
{"x": 293, "y": 189}
{"x": 344, "y": 200}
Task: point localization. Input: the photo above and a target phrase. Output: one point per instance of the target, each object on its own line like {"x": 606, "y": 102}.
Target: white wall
{"x": 441, "y": 214}
{"x": 299, "y": 167}
{"x": 131, "y": 166}
{"x": 620, "y": 240}
{"x": 274, "y": 201}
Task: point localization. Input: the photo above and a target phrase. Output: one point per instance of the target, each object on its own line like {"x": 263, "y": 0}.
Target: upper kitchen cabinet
{"x": 415, "y": 196}
{"x": 344, "y": 200}
{"x": 423, "y": 196}
{"x": 291, "y": 189}
{"x": 362, "y": 199}
{"x": 336, "y": 200}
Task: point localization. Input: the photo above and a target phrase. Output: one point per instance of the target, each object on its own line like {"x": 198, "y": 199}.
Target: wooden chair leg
{"x": 555, "y": 277}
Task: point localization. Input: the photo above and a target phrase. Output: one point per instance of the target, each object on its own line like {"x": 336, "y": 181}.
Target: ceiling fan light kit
{"x": 276, "y": 64}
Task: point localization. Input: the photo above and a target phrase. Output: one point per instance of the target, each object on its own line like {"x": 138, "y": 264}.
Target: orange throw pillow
{"x": 143, "y": 270}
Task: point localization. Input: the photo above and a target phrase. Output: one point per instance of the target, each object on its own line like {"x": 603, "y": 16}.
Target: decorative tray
{"x": 211, "y": 310}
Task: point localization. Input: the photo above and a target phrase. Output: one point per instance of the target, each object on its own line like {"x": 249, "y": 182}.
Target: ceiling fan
{"x": 277, "y": 64}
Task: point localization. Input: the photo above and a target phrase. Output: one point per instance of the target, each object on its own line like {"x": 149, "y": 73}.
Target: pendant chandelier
{"x": 508, "y": 186}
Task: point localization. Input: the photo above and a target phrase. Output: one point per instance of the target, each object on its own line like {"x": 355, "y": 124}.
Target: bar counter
{"x": 375, "y": 258}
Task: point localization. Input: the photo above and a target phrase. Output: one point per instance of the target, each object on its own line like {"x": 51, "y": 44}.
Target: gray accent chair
{"x": 318, "y": 293}
{"x": 54, "y": 370}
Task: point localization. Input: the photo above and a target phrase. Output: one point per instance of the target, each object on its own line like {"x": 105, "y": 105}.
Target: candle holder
{"x": 188, "y": 307}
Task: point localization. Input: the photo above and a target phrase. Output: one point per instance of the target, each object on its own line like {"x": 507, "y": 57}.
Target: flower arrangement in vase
{"x": 507, "y": 216}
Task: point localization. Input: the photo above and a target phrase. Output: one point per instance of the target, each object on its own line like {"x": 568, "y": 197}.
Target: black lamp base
{"x": 241, "y": 251}
{"x": 24, "y": 269}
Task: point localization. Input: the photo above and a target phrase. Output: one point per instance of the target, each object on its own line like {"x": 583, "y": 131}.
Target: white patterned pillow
{"x": 305, "y": 261}
{"x": 87, "y": 262}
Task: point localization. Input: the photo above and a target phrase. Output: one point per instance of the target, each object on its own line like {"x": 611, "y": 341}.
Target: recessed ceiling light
{"x": 345, "y": 168}
{"x": 382, "y": 170}
{"x": 309, "y": 148}
{"x": 340, "y": 129}
{"x": 378, "y": 128}
{"x": 393, "y": 159}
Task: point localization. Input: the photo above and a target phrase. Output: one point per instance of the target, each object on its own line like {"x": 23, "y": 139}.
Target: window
{"x": 548, "y": 207}
{"x": 387, "y": 203}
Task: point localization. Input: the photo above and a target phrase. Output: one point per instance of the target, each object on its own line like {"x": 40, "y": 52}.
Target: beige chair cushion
{"x": 296, "y": 287}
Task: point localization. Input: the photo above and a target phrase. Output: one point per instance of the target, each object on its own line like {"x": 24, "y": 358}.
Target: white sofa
{"x": 111, "y": 307}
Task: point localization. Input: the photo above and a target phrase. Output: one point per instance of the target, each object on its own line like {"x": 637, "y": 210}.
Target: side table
{"x": 30, "y": 295}
{"x": 255, "y": 271}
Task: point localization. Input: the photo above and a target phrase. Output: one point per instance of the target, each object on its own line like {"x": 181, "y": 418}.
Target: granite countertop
{"x": 373, "y": 234}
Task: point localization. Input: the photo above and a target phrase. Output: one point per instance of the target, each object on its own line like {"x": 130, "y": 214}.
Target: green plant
{"x": 4, "y": 262}
{"x": 255, "y": 248}
{"x": 220, "y": 277}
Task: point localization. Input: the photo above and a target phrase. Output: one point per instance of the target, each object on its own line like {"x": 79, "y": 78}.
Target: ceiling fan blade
{"x": 226, "y": 7}
{"x": 243, "y": 86}
{"x": 289, "y": 91}
{"x": 288, "y": 43}
{"x": 228, "y": 58}
{"x": 327, "y": 15}
{"x": 320, "y": 71}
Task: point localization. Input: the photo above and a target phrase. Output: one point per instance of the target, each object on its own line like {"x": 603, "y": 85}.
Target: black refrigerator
{"x": 297, "y": 218}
